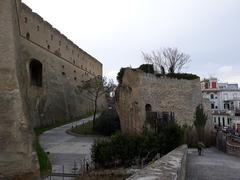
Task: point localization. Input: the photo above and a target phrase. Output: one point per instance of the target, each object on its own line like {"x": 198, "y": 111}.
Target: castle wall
{"x": 49, "y": 38}
{"x": 40, "y": 70}
{"x": 64, "y": 67}
{"x": 17, "y": 156}
{"x": 163, "y": 94}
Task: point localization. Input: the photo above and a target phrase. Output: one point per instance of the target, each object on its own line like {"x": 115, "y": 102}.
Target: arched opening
{"x": 28, "y": 35}
{"x": 36, "y": 73}
{"x": 148, "y": 108}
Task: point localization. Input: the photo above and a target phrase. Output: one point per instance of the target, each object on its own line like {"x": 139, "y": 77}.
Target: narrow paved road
{"x": 67, "y": 152}
{"x": 213, "y": 165}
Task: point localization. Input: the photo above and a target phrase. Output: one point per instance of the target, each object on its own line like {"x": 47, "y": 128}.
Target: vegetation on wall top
{"x": 147, "y": 68}
{"x": 120, "y": 75}
{"x": 179, "y": 76}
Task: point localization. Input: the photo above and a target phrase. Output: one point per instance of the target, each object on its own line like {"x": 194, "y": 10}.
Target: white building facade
{"x": 225, "y": 101}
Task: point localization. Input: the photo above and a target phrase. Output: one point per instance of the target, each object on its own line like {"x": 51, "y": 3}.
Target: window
{"x": 74, "y": 71}
{"x": 223, "y": 120}
{"x": 73, "y": 61}
{"x": 36, "y": 73}
{"x": 216, "y": 107}
{"x": 219, "y": 121}
{"x": 25, "y": 19}
{"x": 215, "y": 119}
{"x": 51, "y": 37}
{"x": 75, "y": 78}
{"x": 48, "y": 47}
{"x": 212, "y": 106}
{"x": 229, "y": 121}
{"x": 63, "y": 73}
{"x": 38, "y": 28}
{"x": 214, "y": 85}
{"x": 212, "y": 96}
{"x": 60, "y": 43}
{"x": 63, "y": 66}
{"x": 28, "y": 35}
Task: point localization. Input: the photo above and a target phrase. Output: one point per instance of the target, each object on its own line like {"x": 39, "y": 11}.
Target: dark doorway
{"x": 28, "y": 35}
{"x": 36, "y": 73}
{"x": 148, "y": 108}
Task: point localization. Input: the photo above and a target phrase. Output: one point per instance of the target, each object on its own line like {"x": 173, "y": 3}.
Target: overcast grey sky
{"x": 116, "y": 31}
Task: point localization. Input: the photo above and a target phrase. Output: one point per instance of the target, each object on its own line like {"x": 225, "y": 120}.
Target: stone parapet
{"x": 170, "y": 167}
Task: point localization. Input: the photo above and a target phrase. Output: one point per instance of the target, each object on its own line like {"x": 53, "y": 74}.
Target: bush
{"x": 173, "y": 137}
{"x": 107, "y": 123}
{"x": 120, "y": 75}
{"x": 124, "y": 150}
{"x": 147, "y": 68}
{"x": 179, "y": 76}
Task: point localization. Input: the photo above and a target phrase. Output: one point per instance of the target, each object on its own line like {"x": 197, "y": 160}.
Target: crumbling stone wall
{"x": 163, "y": 94}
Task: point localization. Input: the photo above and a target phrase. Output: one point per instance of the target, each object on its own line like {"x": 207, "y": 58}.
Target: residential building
{"x": 225, "y": 101}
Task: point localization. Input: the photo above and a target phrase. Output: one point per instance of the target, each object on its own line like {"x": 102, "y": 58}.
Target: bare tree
{"x": 93, "y": 89}
{"x": 170, "y": 59}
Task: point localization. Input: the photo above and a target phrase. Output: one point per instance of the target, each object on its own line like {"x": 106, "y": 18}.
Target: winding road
{"x": 67, "y": 153}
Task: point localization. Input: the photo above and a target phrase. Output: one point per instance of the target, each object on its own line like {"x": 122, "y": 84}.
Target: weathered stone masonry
{"x": 139, "y": 89}
{"x": 39, "y": 71}
{"x": 64, "y": 66}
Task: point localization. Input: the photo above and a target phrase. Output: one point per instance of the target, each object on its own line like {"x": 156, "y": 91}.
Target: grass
{"x": 41, "y": 130}
{"x": 85, "y": 129}
{"x": 44, "y": 162}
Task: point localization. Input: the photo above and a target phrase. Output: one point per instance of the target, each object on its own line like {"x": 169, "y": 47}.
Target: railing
{"x": 76, "y": 169}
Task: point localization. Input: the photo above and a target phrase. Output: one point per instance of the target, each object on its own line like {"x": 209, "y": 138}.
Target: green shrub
{"x": 101, "y": 152}
{"x": 179, "y": 76}
{"x": 147, "y": 68}
{"x": 182, "y": 76}
{"x": 43, "y": 160}
{"x": 107, "y": 123}
{"x": 120, "y": 75}
{"x": 126, "y": 149}
{"x": 173, "y": 137}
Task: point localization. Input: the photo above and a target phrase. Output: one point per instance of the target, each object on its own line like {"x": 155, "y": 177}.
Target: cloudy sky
{"x": 116, "y": 31}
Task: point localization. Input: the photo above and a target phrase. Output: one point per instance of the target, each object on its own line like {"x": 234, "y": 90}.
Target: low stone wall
{"x": 170, "y": 167}
{"x": 233, "y": 149}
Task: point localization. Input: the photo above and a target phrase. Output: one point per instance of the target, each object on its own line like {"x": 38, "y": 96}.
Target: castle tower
{"x": 17, "y": 156}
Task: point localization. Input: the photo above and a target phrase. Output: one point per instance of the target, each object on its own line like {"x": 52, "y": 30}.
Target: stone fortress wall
{"x": 39, "y": 72}
{"x": 64, "y": 66}
{"x": 139, "y": 89}
{"x": 42, "y": 34}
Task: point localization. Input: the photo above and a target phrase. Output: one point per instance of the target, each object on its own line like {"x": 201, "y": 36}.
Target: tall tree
{"x": 200, "y": 121}
{"x": 93, "y": 89}
{"x": 170, "y": 59}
